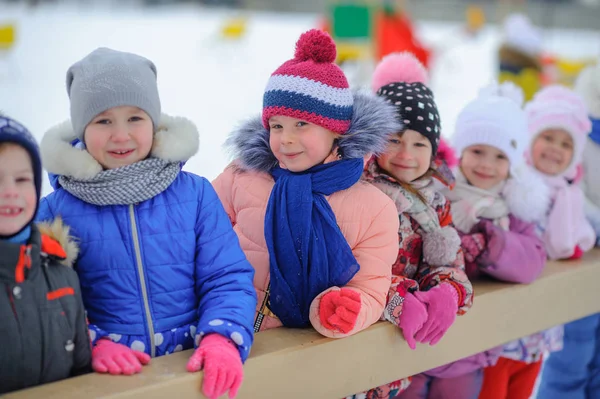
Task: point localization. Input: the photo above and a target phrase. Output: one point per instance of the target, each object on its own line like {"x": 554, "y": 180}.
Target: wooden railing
{"x": 301, "y": 363}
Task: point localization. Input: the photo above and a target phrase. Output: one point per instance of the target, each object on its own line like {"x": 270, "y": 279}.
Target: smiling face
{"x": 552, "y": 151}
{"x": 407, "y": 156}
{"x": 299, "y": 145}
{"x": 119, "y": 137}
{"x": 17, "y": 189}
{"x": 484, "y": 166}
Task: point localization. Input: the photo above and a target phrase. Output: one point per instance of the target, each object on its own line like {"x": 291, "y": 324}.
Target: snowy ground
{"x": 213, "y": 81}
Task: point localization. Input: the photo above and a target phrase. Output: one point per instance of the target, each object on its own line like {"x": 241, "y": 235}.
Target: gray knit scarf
{"x": 126, "y": 185}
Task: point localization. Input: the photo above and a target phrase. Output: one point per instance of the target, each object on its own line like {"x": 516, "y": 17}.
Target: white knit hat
{"x": 494, "y": 118}
{"x": 521, "y": 34}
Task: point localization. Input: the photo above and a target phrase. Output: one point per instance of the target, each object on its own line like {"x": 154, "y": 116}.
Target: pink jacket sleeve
{"x": 514, "y": 256}
{"x": 567, "y": 227}
{"x": 223, "y": 185}
{"x": 375, "y": 252}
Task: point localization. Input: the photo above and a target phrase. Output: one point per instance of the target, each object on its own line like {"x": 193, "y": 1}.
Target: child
{"x": 44, "y": 334}
{"x": 495, "y": 202}
{"x": 520, "y": 54}
{"x": 429, "y": 285}
{"x": 161, "y": 269}
{"x": 321, "y": 241}
{"x": 573, "y": 372}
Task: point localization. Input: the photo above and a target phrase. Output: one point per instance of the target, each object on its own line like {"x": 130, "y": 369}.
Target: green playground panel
{"x": 351, "y": 21}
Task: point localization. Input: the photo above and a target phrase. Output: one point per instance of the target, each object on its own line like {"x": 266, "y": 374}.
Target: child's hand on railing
{"x": 222, "y": 364}
{"x": 115, "y": 359}
{"x": 412, "y": 318}
{"x": 442, "y": 306}
{"x": 339, "y": 310}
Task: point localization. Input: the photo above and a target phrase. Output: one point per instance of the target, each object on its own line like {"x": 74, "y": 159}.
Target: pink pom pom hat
{"x": 310, "y": 86}
{"x": 401, "y": 79}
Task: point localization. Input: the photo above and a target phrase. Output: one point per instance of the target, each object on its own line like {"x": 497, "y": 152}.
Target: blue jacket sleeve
{"x": 44, "y": 212}
{"x": 224, "y": 278}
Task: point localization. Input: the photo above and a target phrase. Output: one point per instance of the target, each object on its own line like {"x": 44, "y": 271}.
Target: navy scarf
{"x": 307, "y": 251}
{"x": 595, "y": 133}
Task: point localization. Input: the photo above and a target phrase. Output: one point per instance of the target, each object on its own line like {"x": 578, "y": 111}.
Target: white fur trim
{"x": 526, "y": 194}
{"x": 441, "y": 246}
{"x": 176, "y": 140}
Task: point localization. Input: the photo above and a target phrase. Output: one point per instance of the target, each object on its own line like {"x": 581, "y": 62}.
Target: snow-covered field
{"x": 211, "y": 80}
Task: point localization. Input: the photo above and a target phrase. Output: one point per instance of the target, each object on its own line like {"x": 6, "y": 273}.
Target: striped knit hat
{"x": 310, "y": 86}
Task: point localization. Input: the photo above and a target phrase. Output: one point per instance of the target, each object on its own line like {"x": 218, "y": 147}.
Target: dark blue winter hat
{"x": 13, "y": 132}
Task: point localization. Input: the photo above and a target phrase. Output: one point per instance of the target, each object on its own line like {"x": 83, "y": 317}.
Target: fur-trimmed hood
{"x": 373, "y": 121}
{"x": 176, "y": 140}
{"x": 59, "y": 232}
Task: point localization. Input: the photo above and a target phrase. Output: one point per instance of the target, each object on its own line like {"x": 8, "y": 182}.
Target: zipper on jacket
{"x": 140, "y": 268}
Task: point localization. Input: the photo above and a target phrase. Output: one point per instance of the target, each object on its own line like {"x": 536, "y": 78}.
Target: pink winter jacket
{"x": 566, "y": 226}
{"x": 366, "y": 217}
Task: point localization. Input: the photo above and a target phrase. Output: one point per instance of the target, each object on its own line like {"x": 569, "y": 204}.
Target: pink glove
{"x": 577, "y": 253}
{"x": 339, "y": 310}
{"x": 412, "y": 318}
{"x": 109, "y": 357}
{"x": 222, "y": 365}
{"x": 442, "y": 305}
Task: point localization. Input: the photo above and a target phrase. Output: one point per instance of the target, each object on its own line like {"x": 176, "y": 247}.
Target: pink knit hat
{"x": 310, "y": 86}
{"x": 557, "y": 107}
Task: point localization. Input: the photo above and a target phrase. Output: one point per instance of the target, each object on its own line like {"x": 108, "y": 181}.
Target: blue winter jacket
{"x": 156, "y": 275}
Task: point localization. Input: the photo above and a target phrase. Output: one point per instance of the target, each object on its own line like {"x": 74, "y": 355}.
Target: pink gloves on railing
{"x": 442, "y": 306}
{"x": 412, "y": 318}
{"x": 339, "y": 310}
{"x": 222, "y": 364}
{"x": 113, "y": 358}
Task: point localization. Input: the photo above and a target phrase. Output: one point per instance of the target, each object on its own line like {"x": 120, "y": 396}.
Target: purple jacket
{"x": 515, "y": 256}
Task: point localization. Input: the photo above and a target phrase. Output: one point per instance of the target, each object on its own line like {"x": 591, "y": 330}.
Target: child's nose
{"x": 120, "y": 133}
{"x": 8, "y": 189}
{"x": 287, "y": 137}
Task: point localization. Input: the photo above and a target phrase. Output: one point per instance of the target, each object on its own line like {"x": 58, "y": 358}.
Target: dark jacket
{"x": 43, "y": 329}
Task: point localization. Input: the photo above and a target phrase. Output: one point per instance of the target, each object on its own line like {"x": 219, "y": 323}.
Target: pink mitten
{"x": 338, "y": 310}
{"x": 113, "y": 358}
{"x": 412, "y": 318}
{"x": 442, "y": 305}
{"x": 223, "y": 370}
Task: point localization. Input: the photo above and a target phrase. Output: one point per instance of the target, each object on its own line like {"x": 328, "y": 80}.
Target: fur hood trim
{"x": 176, "y": 140}
{"x": 373, "y": 121}
{"x": 59, "y": 232}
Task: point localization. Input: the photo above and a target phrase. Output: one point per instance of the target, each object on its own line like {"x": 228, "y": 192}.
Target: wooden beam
{"x": 302, "y": 363}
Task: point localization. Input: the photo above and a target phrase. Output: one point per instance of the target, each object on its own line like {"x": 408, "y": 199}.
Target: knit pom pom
{"x": 398, "y": 67}
{"x": 315, "y": 45}
{"x": 505, "y": 89}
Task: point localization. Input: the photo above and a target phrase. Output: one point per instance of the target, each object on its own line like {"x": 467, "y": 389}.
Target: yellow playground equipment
{"x": 7, "y": 36}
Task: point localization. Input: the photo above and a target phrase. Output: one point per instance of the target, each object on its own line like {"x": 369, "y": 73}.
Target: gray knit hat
{"x": 108, "y": 78}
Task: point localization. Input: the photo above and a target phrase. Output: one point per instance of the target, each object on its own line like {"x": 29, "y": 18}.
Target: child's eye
{"x": 276, "y": 126}
{"x": 477, "y": 151}
{"x": 301, "y": 124}
{"x": 567, "y": 146}
{"x": 394, "y": 141}
{"x": 548, "y": 138}
{"x": 420, "y": 145}
{"x": 103, "y": 121}
{"x": 501, "y": 156}
{"x": 23, "y": 179}
{"x": 136, "y": 119}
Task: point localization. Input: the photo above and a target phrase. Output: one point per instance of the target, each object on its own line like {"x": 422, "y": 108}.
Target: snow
{"x": 213, "y": 81}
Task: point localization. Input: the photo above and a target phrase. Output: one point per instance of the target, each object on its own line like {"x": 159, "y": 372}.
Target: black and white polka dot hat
{"x": 400, "y": 78}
